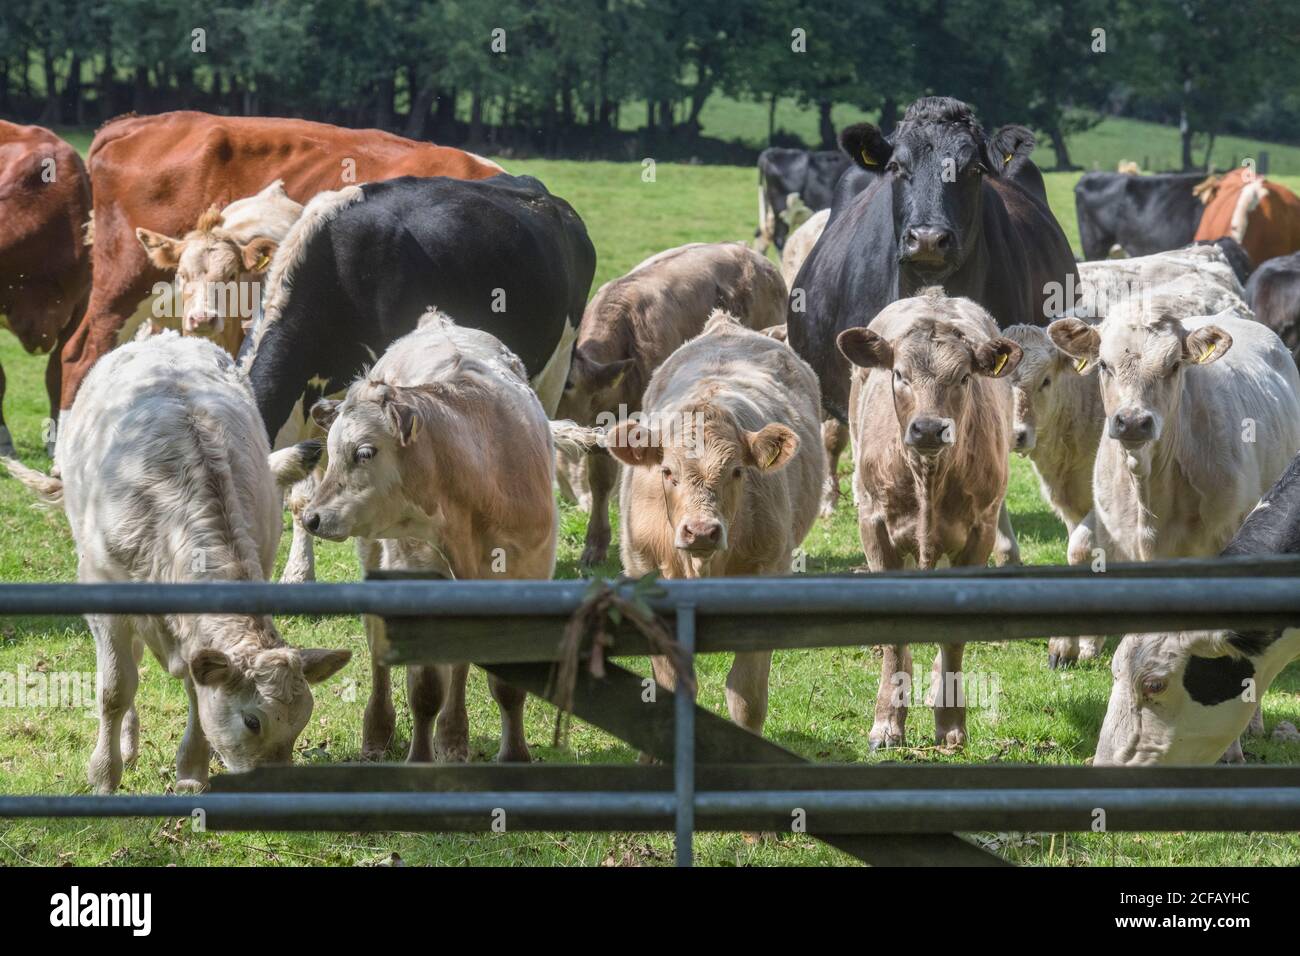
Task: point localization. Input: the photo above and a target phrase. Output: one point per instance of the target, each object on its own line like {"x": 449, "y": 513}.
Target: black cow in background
{"x": 1142, "y": 214}
{"x": 945, "y": 208}
{"x": 811, "y": 174}
{"x": 501, "y": 254}
{"x": 1274, "y": 293}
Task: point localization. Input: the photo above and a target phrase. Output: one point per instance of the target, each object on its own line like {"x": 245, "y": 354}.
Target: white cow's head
{"x": 1043, "y": 386}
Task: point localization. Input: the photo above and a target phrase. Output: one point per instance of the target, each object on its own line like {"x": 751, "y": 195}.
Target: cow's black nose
{"x": 1135, "y": 426}
{"x": 311, "y": 521}
{"x": 927, "y": 434}
{"x": 927, "y": 242}
{"x": 1024, "y": 438}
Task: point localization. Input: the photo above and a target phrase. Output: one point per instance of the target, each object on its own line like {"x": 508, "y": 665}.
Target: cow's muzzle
{"x": 1132, "y": 427}
{"x": 701, "y": 536}
{"x": 928, "y": 436}
{"x": 928, "y": 248}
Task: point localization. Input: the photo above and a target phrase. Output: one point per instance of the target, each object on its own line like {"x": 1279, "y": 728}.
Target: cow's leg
{"x": 301, "y": 563}
{"x": 131, "y": 722}
{"x": 1256, "y": 726}
{"x": 602, "y": 474}
{"x": 835, "y": 437}
{"x": 379, "y": 719}
{"x": 889, "y": 729}
{"x": 747, "y": 689}
{"x": 571, "y": 479}
{"x": 424, "y": 694}
{"x": 451, "y": 741}
{"x": 119, "y": 678}
{"x": 510, "y": 700}
{"x": 1065, "y": 651}
{"x": 948, "y": 696}
{"x": 7, "y": 449}
{"x": 54, "y": 375}
{"x": 195, "y": 753}
{"x": 1234, "y": 753}
{"x": 1006, "y": 550}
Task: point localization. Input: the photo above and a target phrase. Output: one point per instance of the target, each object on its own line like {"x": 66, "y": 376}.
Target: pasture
{"x": 821, "y": 700}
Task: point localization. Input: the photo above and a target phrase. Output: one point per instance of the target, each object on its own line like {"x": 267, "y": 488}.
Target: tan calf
{"x": 635, "y": 322}
{"x": 440, "y": 459}
{"x": 930, "y": 413}
{"x": 723, "y": 474}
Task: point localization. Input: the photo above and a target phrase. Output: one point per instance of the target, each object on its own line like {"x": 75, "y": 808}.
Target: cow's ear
{"x": 291, "y": 465}
{"x": 211, "y": 668}
{"x": 771, "y": 447}
{"x": 319, "y": 663}
{"x": 634, "y": 443}
{"x": 257, "y": 254}
{"x": 404, "y": 420}
{"x": 325, "y": 411}
{"x": 865, "y": 348}
{"x": 997, "y": 358}
{"x": 1008, "y": 144}
{"x": 163, "y": 251}
{"x": 866, "y": 146}
{"x": 1077, "y": 339}
{"x": 595, "y": 375}
{"x": 1207, "y": 344}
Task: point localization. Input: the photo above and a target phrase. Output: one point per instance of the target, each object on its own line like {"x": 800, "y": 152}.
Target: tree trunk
{"x": 771, "y": 118}
{"x": 72, "y": 91}
{"x": 1185, "y": 124}
{"x": 418, "y": 118}
{"x": 825, "y": 125}
{"x": 140, "y": 97}
{"x": 52, "y": 114}
{"x": 1060, "y": 148}
{"x": 476, "y": 119}
{"x": 1209, "y": 151}
{"x": 384, "y": 90}
{"x": 888, "y": 115}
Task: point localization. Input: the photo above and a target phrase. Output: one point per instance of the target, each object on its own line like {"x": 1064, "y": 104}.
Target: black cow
{"x": 501, "y": 254}
{"x": 1274, "y": 293}
{"x": 1143, "y": 214}
{"x": 942, "y": 211}
{"x": 811, "y": 174}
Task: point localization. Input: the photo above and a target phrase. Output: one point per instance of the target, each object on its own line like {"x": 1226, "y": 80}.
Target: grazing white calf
{"x": 723, "y": 474}
{"x": 165, "y": 478}
{"x": 1202, "y": 416}
{"x": 930, "y": 412}
{"x": 1181, "y": 698}
{"x": 440, "y": 459}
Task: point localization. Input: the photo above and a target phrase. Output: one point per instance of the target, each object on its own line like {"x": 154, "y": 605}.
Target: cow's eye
{"x": 668, "y": 475}
{"x": 1152, "y": 686}
{"x": 1046, "y": 382}
{"x": 252, "y": 723}
{"x": 893, "y": 167}
{"x": 965, "y": 379}
{"x": 1103, "y": 368}
{"x": 737, "y": 471}
{"x": 364, "y": 454}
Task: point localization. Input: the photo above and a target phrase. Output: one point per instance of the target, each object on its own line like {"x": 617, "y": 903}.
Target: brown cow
{"x": 44, "y": 260}
{"x": 163, "y": 171}
{"x": 635, "y": 322}
{"x": 723, "y": 474}
{"x": 1262, "y": 215}
{"x": 930, "y": 412}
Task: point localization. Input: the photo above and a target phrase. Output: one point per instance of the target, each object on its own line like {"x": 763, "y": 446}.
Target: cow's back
{"x": 163, "y": 458}
{"x": 1273, "y": 292}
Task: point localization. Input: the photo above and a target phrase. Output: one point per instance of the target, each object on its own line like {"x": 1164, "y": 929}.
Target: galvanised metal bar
{"x": 826, "y": 811}
{"x": 684, "y": 744}
{"x": 923, "y": 595}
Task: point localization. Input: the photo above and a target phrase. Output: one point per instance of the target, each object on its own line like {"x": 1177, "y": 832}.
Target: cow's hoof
{"x": 594, "y": 554}
{"x": 954, "y": 737}
{"x": 295, "y": 576}
{"x": 377, "y": 728}
{"x": 191, "y": 785}
{"x": 514, "y": 753}
{"x": 883, "y": 738}
{"x": 1234, "y": 753}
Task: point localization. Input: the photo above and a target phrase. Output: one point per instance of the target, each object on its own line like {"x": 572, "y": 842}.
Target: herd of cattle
{"x": 394, "y": 339}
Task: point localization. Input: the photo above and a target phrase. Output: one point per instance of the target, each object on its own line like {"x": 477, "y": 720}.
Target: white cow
{"x": 165, "y": 478}
{"x": 801, "y": 243}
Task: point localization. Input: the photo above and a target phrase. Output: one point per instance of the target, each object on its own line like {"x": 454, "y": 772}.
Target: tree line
{"x": 609, "y": 77}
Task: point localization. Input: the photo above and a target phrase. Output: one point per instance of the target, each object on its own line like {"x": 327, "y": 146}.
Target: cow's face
{"x": 700, "y": 462}
{"x": 935, "y": 171}
{"x": 1176, "y": 698}
{"x": 253, "y": 707}
{"x": 211, "y": 270}
{"x": 1141, "y": 363}
{"x": 1038, "y": 386}
{"x": 363, "y": 492}
{"x": 931, "y": 366}
{"x": 591, "y": 388}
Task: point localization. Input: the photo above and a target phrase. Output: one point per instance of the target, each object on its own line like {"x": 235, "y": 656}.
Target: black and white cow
{"x": 363, "y": 264}
{"x": 811, "y": 174}
{"x": 937, "y": 209}
{"x": 1273, "y": 292}
{"x": 1141, "y": 214}
{"x": 1185, "y": 697}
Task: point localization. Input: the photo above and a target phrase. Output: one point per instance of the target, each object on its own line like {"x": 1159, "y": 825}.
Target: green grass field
{"x": 821, "y": 700}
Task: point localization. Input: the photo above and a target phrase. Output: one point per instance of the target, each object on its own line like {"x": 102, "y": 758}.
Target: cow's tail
{"x": 573, "y": 440}
{"x": 46, "y": 487}
{"x": 766, "y": 231}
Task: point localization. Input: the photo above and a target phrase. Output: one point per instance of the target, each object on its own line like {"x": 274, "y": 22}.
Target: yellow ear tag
{"x": 867, "y": 159}
{"x": 1080, "y": 365}
{"x": 1006, "y": 158}
{"x": 1002, "y": 360}
{"x": 262, "y": 263}
{"x": 1206, "y": 354}
{"x": 772, "y": 461}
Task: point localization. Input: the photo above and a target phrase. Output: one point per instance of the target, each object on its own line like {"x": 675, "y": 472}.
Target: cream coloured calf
{"x": 930, "y": 412}
{"x": 165, "y": 478}
{"x": 440, "y": 459}
{"x": 723, "y": 472}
